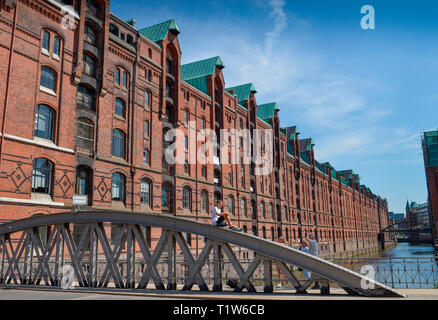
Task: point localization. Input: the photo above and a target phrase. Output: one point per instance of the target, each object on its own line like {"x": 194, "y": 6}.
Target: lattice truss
{"x": 127, "y": 260}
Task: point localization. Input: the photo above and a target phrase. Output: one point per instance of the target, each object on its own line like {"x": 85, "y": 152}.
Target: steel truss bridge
{"x": 413, "y": 232}
{"x": 127, "y": 260}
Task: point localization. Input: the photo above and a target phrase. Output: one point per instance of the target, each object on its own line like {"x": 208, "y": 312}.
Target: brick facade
{"x": 306, "y": 196}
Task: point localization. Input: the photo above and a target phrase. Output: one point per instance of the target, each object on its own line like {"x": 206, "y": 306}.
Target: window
{"x": 90, "y": 35}
{"x": 147, "y": 156}
{"x": 204, "y": 172}
{"x": 118, "y": 143}
{"x": 231, "y": 204}
{"x": 85, "y": 97}
{"x": 44, "y": 122}
{"x": 146, "y": 98}
{"x": 42, "y": 176}
{"x": 125, "y": 80}
{"x": 202, "y": 123}
{"x": 117, "y": 76}
{"x": 120, "y": 107}
{"x": 46, "y": 41}
{"x": 145, "y": 192}
{"x": 204, "y": 201}
{"x": 150, "y": 53}
{"x": 243, "y": 206}
{"x": 113, "y": 29}
{"x": 146, "y": 129}
{"x": 48, "y": 78}
{"x": 271, "y": 212}
{"x": 57, "y": 46}
{"x": 186, "y": 117}
{"x": 186, "y": 143}
{"x": 149, "y": 76}
{"x": 166, "y": 196}
{"x": 85, "y": 136}
{"x": 83, "y": 179}
{"x": 118, "y": 187}
{"x": 186, "y": 167}
{"x": 92, "y": 7}
{"x": 187, "y": 198}
{"x": 89, "y": 65}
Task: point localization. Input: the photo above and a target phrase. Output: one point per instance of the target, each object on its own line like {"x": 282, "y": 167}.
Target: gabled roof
{"x": 201, "y": 68}
{"x": 243, "y": 91}
{"x": 306, "y": 144}
{"x": 267, "y": 111}
{"x": 158, "y": 32}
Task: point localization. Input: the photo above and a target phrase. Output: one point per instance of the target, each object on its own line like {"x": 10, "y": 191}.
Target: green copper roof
{"x": 306, "y": 144}
{"x": 201, "y": 68}
{"x": 199, "y": 83}
{"x": 320, "y": 167}
{"x": 431, "y": 148}
{"x": 266, "y": 111}
{"x": 159, "y": 31}
{"x": 243, "y": 92}
{"x": 305, "y": 157}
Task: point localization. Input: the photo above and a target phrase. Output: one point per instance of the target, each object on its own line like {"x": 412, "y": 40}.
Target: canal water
{"x": 407, "y": 266}
{"x": 406, "y": 250}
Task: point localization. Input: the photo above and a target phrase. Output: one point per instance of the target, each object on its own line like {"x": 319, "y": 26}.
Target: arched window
{"x": 56, "y": 46}
{"x": 117, "y": 76}
{"x": 243, "y": 207}
{"x": 44, "y": 122}
{"x": 187, "y": 198}
{"x": 118, "y": 187}
{"x": 125, "y": 79}
{"x": 48, "y": 78}
{"x": 204, "y": 201}
{"x": 90, "y": 35}
{"x": 271, "y": 211}
{"x": 85, "y": 136}
{"x": 89, "y": 65}
{"x": 231, "y": 204}
{"x": 145, "y": 192}
{"x": 118, "y": 143}
{"x": 42, "y": 176}
{"x": 119, "y": 107}
{"x": 46, "y": 41}
{"x": 264, "y": 232}
{"x": 166, "y": 196}
{"x": 85, "y": 97}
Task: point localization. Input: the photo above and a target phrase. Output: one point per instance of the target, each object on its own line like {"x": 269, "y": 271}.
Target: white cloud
{"x": 334, "y": 107}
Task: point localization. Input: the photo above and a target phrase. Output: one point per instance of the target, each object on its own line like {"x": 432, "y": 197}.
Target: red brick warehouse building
{"x": 84, "y": 111}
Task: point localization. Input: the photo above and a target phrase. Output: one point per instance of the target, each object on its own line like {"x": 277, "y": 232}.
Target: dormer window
{"x": 90, "y": 35}
{"x": 92, "y": 7}
{"x": 169, "y": 65}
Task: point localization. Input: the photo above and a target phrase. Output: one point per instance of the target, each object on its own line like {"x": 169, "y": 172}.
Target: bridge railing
{"x": 397, "y": 273}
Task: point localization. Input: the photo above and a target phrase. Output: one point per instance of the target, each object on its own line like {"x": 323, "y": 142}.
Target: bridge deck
{"x": 353, "y": 282}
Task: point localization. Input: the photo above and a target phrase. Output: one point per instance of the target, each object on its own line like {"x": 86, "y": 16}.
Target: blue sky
{"x": 365, "y": 97}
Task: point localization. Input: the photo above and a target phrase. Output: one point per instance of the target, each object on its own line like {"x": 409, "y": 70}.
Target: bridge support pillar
{"x": 217, "y": 260}
{"x": 267, "y": 265}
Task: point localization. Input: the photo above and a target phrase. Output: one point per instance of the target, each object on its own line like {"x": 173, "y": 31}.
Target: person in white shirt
{"x": 314, "y": 251}
{"x": 221, "y": 219}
